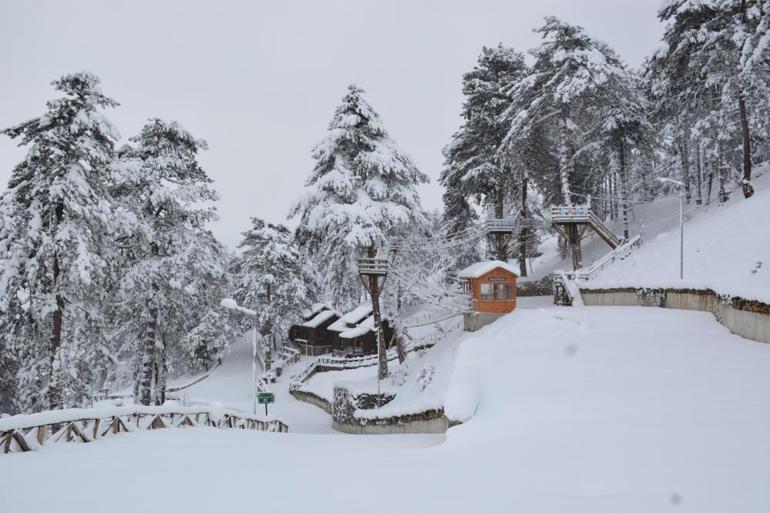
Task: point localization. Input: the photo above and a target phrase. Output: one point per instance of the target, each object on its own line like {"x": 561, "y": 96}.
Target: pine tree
{"x": 362, "y": 189}
{"x": 625, "y": 130}
{"x": 170, "y": 258}
{"x": 569, "y": 77}
{"x": 473, "y": 168}
{"x": 56, "y": 214}
{"x": 270, "y": 278}
{"x": 707, "y": 72}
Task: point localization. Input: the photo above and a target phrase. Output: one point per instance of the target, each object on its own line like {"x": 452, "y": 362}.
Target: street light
{"x": 681, "y": 222}
{"x": 230, "y": 304}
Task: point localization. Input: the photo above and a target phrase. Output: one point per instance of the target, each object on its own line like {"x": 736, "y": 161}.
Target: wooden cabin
{"x": 491, "y": 287}
{"x": 325, "y": 330}
{"x": 355, "y": 335}
{"x": 312, "y": 336}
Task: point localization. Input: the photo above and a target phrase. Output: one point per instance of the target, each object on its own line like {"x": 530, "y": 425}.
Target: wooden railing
{"x": 22, "y": 433}
{"x": 616, "y": 254}
{"x": 333, "y": 363}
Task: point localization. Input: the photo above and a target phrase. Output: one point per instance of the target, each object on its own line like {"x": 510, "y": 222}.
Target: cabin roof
{"x": 352, "y": 317}
{"x": 363, "y": 328}
{"x": 479, "y": 269}
{"x": 320, "y": 318}
{"x": 309, "y": 313}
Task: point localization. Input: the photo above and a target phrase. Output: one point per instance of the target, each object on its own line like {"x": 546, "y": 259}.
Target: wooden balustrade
{"x": 24, "y": 433}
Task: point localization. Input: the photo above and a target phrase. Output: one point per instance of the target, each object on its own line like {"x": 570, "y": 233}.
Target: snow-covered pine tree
{"x": 473, "y": 167}
{"x": 170, "y": 259}
{"x": 570, "y": 75}
{"x": 706, "y": 71}
{"x": 625, "y": 130}
{"x": 270, "y": 278}
{"x": 362, "y": 188}
{"x": 56, "y": 214}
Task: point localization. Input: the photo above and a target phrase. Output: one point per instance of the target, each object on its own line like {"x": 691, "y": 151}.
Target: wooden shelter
{"x": 312, "y": 336}
{"x": 354, "y": 332}
{"x": 491, "y": 288}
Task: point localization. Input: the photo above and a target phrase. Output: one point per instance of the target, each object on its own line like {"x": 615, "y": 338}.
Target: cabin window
{"x": 503, "y": 291}
{"x": 487, "y": 291}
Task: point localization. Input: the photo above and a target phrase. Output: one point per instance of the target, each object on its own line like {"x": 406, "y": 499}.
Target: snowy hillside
{"x": 726, "y": 249}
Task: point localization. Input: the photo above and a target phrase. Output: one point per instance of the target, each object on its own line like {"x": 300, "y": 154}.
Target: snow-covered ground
{"x": 727, "y": 247}
{"x": 570, "y": 409}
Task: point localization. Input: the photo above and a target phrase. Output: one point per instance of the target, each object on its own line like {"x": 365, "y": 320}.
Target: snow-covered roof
{"x": 320, "y": 318}
{"x": 314, "y": 309}
{"x": 352, "y": 317}
{"x": 362, "y": 329}
{"x": 481, "y": 268}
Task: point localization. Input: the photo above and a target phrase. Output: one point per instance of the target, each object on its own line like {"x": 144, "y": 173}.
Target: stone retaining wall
{"x": 747, "y": 318}
{"x": 311, "y": 398}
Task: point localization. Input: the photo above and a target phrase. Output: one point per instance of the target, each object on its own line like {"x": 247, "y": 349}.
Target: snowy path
{"x": 232, "y": 385}
{"x": 576, "y": 409}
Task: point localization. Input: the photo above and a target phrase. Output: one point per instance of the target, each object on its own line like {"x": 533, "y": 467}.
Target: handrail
{"x": 22, "y": 433}
{"x": 619, "y": 253}
{"x": 336, "y": 363}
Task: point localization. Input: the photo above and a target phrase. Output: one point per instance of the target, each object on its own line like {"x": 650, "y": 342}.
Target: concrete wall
{"x": 748, "y": 319}
{"x": 437, "y": 425}
{"x": 475, "y": 321}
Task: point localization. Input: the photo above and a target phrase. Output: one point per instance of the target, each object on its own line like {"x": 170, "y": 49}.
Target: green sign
{"x": 265, "y": 398}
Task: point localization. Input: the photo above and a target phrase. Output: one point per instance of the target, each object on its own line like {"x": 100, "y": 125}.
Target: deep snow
{"x": 582, "y": 409}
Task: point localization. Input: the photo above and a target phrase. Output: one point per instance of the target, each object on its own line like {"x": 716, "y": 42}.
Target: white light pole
{"x": 230, "y": 304}
{"x": 681, "y": 223}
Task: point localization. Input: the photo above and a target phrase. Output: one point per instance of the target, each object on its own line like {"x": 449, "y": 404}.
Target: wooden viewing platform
{"x": 376, "y": 266}
{"x": 572, "y": 221}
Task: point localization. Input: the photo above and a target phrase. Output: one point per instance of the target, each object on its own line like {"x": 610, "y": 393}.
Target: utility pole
{"x": 373, "y": 271}
{"x": 681, "y": 223}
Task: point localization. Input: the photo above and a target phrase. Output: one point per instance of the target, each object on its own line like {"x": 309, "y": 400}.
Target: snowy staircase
{"x": 566, "y": 286}
{"x": 565, "y": 290}
{"x": 601, "y": 229}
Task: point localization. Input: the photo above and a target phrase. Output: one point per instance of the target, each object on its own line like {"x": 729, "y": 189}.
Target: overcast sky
{"x": 260, "y": 80}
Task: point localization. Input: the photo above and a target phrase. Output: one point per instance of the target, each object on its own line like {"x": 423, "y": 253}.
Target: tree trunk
{"x": 54, "y": 380}
{"x": 564, "y": 163}
{"x": 685, "y": 154}
{"x": 723, "y": 196}
{"x": 748, "y": 189}
{"x": 523, "y": 232}
{"x": 501, "y": 243}
{"x": 151, "y": 333}
{"x": 161, "y": 372}
{"x": 375, "y": 287}
{"x": 710, "y": 182}
{"x": 382, "y": 349}
{"x": 623, "y": 185}
{"x": 699, "y": 175}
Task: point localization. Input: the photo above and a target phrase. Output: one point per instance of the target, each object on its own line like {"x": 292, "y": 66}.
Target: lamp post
{"x": 681, "y": 223}
{"x": 230, "y": 304}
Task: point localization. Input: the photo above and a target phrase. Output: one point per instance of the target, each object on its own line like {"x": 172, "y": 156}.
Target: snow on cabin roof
{"x": 314, "y": 309}
{"x": 362, "y": 329}
{"x": 352, "y": 317}
{"x": 481, "y": 268}
{"x": 320, "y": 318}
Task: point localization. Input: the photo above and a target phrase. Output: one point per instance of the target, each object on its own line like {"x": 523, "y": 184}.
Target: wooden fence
{"x": 22, "y": 433}
{"x": 330, "y": 363}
